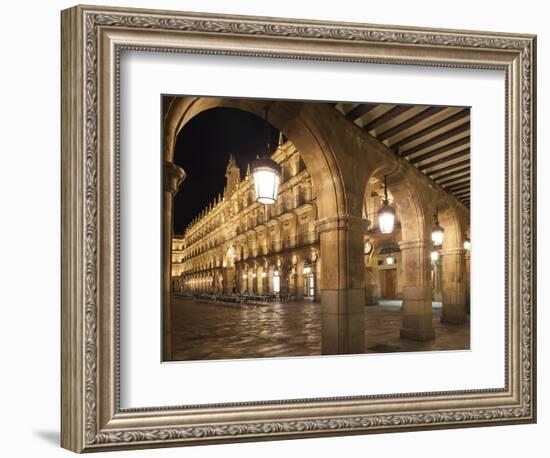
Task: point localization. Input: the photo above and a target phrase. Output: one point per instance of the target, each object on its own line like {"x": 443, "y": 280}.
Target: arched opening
{"x": 311, "y": 244}
{"x": 298, "y": 277}
{"x": 296, "y": 121}
{"x": 398, "y": 269}
{"x": 454, "y": 263}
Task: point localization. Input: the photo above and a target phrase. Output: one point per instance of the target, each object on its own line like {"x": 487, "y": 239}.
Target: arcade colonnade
{"x": 341, "y": 160}
{"x": 239, "y": 245}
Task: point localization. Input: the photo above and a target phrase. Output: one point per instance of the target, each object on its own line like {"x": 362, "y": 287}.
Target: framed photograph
{"x": 277, "y": 228}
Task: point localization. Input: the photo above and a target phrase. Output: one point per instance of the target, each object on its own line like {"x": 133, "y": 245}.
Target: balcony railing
{"x": 301, "y": 200}
{"x": 263, "y": 249}
{"x": 305, "y": 238}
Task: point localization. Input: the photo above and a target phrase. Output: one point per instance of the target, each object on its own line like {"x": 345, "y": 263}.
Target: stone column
{"x": 270, "y": 271}
{"x": 370, "y": 286}
{"x": 260, "y": 279}
{"x": 467, "y": 279}
{"x": 454, "y": 288}
{"x": 283, "y": 281}
{"x": 173, "y": 176}
{"x": 437, "y": 281}
{"x": 242, "y": 280}
{"x": 417, "y": 291}
{"x": 228, "y": 278}
{"x": 291, "y": 280}
{"x": 299, "y": 280}
{"x": 250, "y": 284}
{"x": 316, "y": 286}
{"x": 342, "y": 285}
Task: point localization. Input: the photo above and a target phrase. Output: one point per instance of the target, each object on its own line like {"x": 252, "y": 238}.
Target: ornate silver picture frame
{"x": 93, "y": 39}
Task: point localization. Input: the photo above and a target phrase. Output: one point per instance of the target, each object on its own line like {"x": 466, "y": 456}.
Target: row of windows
{"x": 289, "y": 202}
{"x": 262, "y": 248}
{"x": 244, "y": 252}
{"x": 248, "y": 199}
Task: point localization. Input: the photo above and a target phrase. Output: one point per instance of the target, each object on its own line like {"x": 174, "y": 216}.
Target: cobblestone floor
{"x": 206, "y": 331}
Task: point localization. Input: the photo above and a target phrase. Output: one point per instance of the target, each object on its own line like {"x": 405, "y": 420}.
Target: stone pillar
{"x": 173, "y": 175}
{"x": 251, "y": 279}
{"x": 228, "y": 278}
{"x": 243, "y": 277}
{"x": 316, "y": 286}
{"x": 417, "y": 291}
{"x": 370, "y": 286}
{"x": 270, "y": 272}
{"x": 467, "y": 279}
{"x": 283, "y": 282}
{"x": 454, "y": 288}
{"x": 299, "y": 280}
{"x": 437, "y": 284}
{"x": 342, "y": 285}
{"x": 260, "y": 279}
{"x": 291, "y": 280}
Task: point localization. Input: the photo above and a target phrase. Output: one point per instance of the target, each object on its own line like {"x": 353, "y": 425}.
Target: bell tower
{"x": 232, "y": 176}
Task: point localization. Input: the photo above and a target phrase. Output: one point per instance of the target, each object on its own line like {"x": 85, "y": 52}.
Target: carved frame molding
{"x": 92, "y": 39}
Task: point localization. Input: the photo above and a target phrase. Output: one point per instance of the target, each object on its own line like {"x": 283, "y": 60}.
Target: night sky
{"x": 203, "y": 147}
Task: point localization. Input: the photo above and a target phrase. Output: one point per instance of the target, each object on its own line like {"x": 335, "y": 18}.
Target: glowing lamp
{"x": 266, "y": 172}
{"x": 267, "y": 176}
{"x": 386, "y": 219}
{"x": 467, "y": 244}
{"x": 435, "y": 256}
{"x": 437, "y": 232}
{"x": 390, "y": 260}
{"x": 386, "y": 214}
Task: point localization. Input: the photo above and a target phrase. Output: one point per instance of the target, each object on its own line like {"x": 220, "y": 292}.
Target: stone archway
{"x": 454, "y": 222}
{"x": 333, "y": 152}
{"x": 302, "y": 123}
{"x": 341, "y": 159}
{"x": 412, "y": 201}
{"x": 416, "y": 200}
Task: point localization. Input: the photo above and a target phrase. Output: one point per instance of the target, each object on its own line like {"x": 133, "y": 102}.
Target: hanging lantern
{"x": 386, "y": 214}
{"x": 467, "y": 244}
{"x": 434, "y": 256}
{"x": 266, "y": 173}
{"x": 437, "y": 231}
{"x": 390, "y": 260}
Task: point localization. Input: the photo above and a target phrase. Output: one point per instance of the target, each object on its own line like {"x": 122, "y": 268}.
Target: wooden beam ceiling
{"x": 435, "y": 139}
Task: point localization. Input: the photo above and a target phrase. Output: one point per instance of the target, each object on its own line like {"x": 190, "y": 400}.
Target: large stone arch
{"x": 300, "y": 122}
{"x": 412, "y": 199}
{"x": 454, "y": 220}
{"x": 341, "y": 159}
{"x": 333, "y": 150}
